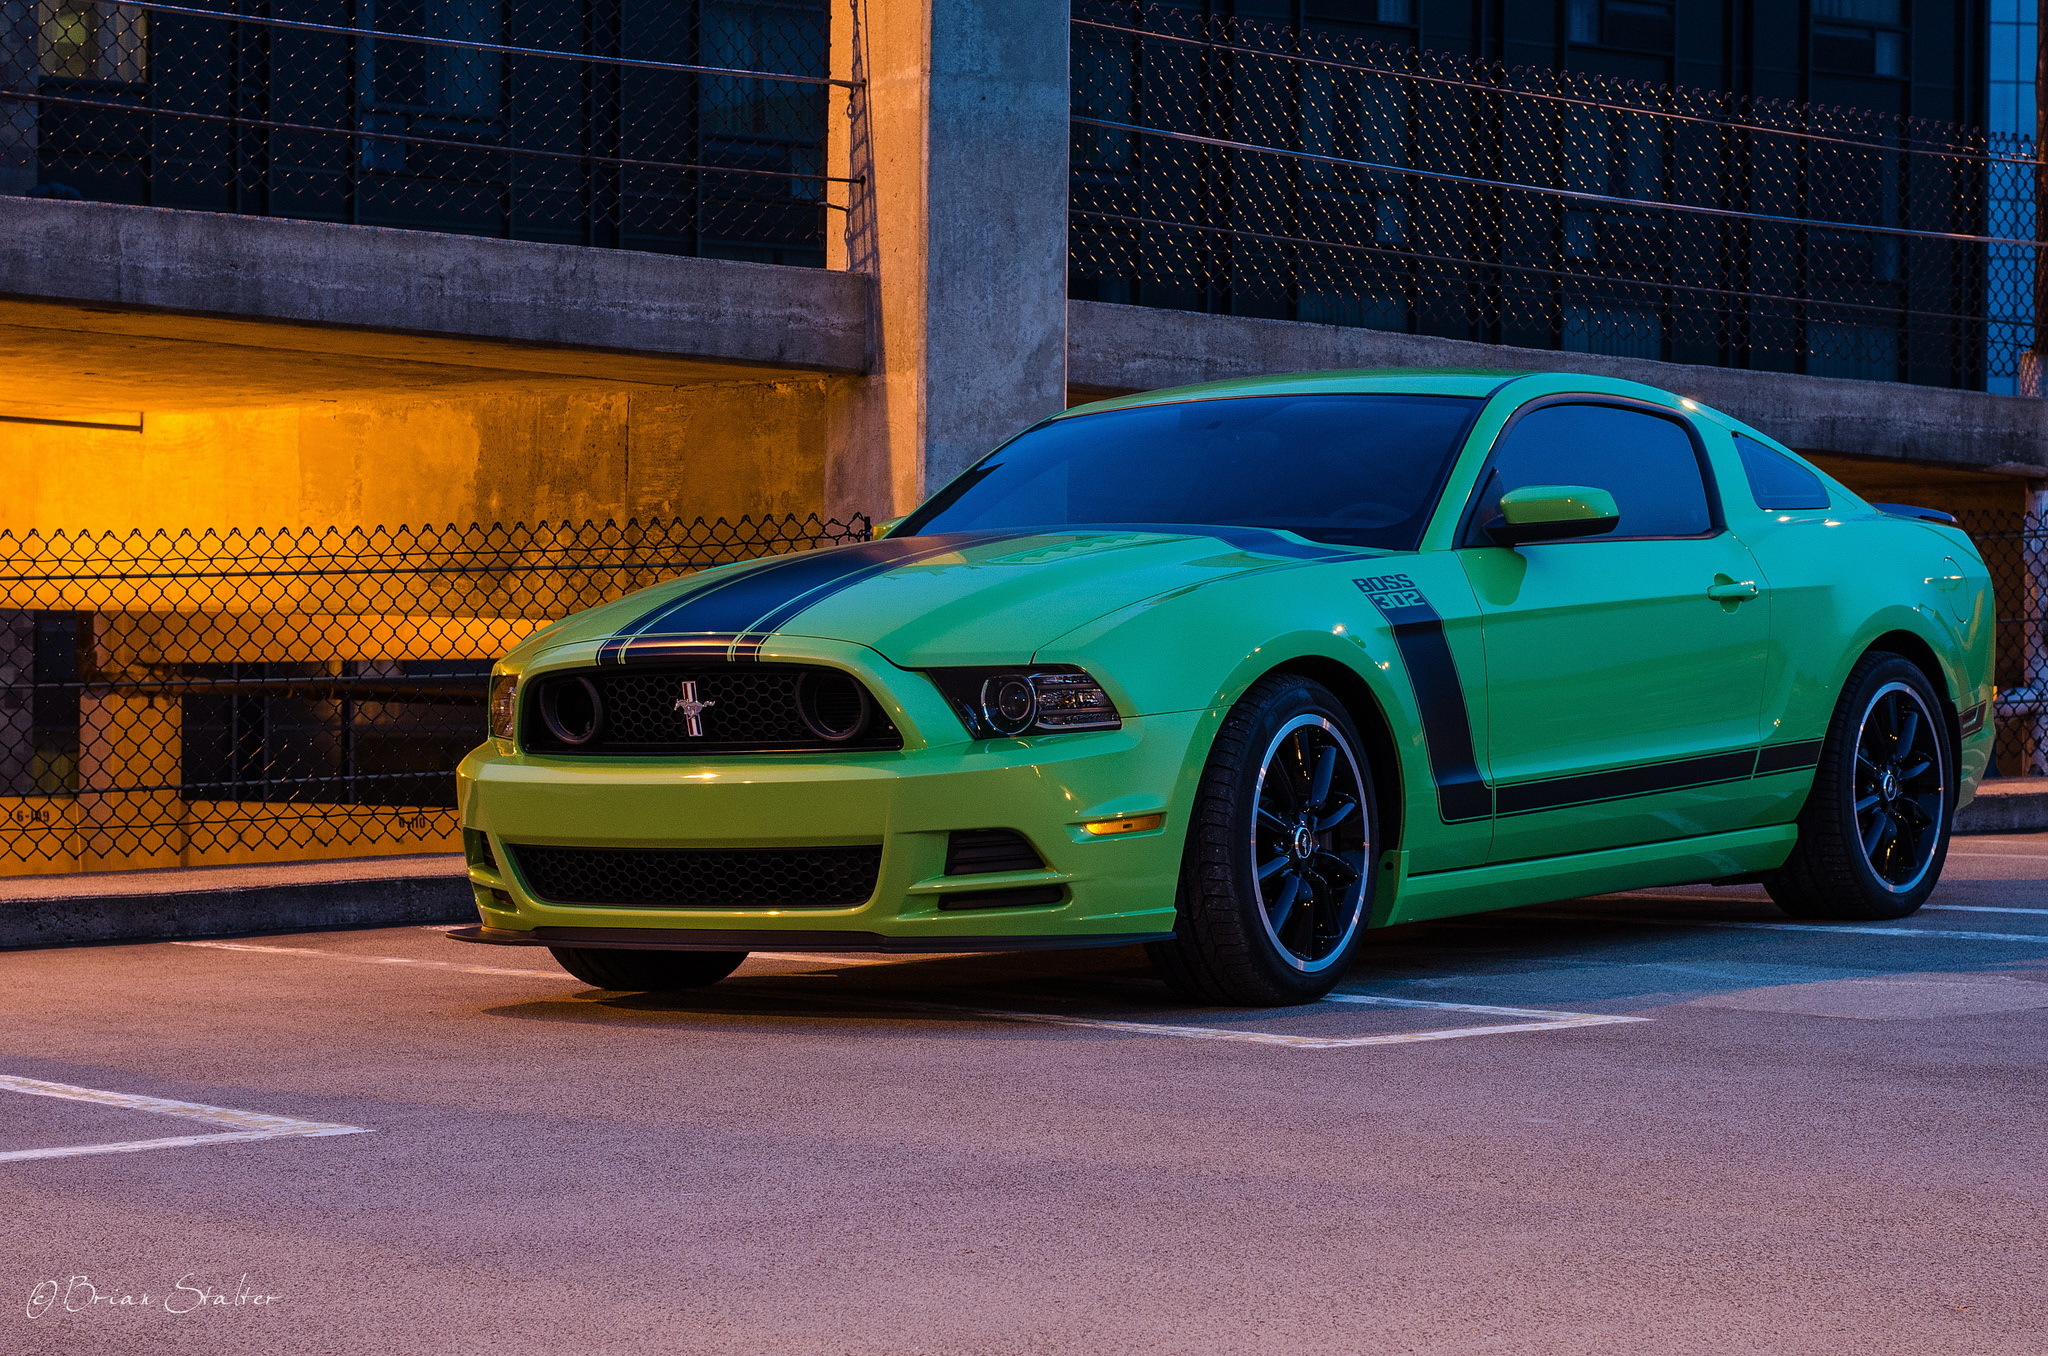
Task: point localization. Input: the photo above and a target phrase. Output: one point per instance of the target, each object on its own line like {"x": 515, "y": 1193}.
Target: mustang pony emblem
{"x": 692, "y": 709}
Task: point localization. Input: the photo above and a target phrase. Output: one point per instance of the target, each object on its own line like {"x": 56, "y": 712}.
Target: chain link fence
{"x": 1234, "y": 166}
{"x": 692, "y": 128}
{"x": 2015, "y": 547}
{"x": 208, "y": 698}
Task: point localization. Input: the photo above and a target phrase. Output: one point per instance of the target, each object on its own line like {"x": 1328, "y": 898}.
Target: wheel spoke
{"x": 1909, "y": 727}
{"x": 1273, "y": 821}
{"x": 1332, "y": 818}
{"x": 1281, "y": 907}
{"x": 1332, "y": 867}
{"x": 1326, "y": 768}
{"x": 1920, "y": 812}
{"x": 1917, "y": 771}
{"x": 1864, "y": 805}
{"x": 1268, "y": 868}
{"x": 1299, "y": 774}
{"x": 1878, "y": 835}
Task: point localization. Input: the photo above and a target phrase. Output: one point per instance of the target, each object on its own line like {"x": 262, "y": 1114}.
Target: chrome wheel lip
{"x": 1297, "y": 834}
{"x": 1880, "y": 781}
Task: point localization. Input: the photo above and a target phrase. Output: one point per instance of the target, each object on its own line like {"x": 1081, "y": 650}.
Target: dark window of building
{"x": 1647, "y": 462}
{"x": 333, "y": 733}
{"x": 41, "y": 668}
{"x": 200, "y": 113}
{"x": 1859, "y": 37}
{"x": 1776, "y": 481}
{"x": 1635, "y": 25}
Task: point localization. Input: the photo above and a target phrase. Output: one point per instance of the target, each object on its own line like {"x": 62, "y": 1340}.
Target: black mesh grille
{"x": 973, "y": 851}
{"x": 706, "y": 878}
{"x": 756, "y": 708}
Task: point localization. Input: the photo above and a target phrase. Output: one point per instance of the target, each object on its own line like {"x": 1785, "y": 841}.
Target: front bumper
{"x": 1114, "y": 889}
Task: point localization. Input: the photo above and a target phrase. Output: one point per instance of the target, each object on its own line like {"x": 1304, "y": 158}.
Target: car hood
{"x": 953, "y": 598}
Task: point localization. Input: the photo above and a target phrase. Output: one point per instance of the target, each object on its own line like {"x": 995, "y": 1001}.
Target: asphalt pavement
{"x": 1669, "y": 1122}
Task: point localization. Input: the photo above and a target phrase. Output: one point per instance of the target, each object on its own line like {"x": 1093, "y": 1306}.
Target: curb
{"x": 137, "y": 906}
{"x": 2007, "y": 805}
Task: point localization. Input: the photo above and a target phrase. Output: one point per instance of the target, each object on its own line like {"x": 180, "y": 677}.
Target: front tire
{"x": 646, "y": 971}
{"x": 1275, "y": 880}
{"x": 1875, "y": 829}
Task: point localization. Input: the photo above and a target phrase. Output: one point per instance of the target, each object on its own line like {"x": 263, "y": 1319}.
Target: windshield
{"x": 1357, "y": 470}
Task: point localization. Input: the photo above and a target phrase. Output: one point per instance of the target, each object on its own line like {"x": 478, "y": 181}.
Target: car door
{"x": 1624, "y": 701}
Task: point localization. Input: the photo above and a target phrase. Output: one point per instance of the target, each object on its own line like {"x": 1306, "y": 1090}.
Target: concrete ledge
{"x": 2007, "y": 805}
{"x": 1113, "y": 348}
{"x": 120, "y": 906}
{"x": 422, "y": 282}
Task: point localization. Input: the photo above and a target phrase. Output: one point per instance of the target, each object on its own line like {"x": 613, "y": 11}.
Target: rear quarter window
{"x": 1776, "y": 481}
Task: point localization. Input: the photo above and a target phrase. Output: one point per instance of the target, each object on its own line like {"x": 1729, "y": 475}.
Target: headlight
{"x": 504, "y": 706}
{"x": 995, "y": 703}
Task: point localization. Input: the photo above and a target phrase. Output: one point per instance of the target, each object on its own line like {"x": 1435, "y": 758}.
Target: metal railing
{"x": 1236, "y": 166}
{"x": 690, "y": 129}
{"x": 222, "y": 697}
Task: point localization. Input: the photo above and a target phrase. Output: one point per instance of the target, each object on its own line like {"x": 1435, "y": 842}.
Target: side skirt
{"x": 1507, "y": 885}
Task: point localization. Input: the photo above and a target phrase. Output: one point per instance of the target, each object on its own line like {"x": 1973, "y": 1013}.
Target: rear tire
{"x": 1275, "y": 880}
{"x": 646, "y": 971}
{"x": 1875, "y": 829}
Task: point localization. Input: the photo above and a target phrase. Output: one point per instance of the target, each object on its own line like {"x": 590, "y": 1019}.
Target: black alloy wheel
{"x": 1308, "y": 841}
{"x": 1275, "y": 879}
{"x": 1875, "y": 829}
{"x": 1900, "y": 793}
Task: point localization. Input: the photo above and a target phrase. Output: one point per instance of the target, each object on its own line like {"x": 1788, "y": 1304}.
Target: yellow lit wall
{"x": 500, "y": 451}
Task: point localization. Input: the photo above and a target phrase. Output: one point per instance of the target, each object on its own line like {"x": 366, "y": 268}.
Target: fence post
{"x": 2034, "y": 667}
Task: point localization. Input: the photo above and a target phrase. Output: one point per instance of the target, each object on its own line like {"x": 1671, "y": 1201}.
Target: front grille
{"x": 700, "y": 878}
{"x": 971, "y": 852}
{"x": 742, "y": 708}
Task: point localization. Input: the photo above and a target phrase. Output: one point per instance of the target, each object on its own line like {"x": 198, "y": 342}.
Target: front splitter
{"x": 701, "y": 939}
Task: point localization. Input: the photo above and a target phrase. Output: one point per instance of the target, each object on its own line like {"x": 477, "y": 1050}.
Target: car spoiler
{"x": 1914, "y": 511}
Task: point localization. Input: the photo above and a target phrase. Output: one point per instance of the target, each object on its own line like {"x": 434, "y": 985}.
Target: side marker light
{"x": 1103, "y": 828}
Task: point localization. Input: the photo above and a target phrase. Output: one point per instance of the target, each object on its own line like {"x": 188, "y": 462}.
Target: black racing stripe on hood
{"x": 750, "y": 605}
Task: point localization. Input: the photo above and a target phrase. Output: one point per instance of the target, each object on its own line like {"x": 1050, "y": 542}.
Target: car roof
{"x": 1443, "y": 381}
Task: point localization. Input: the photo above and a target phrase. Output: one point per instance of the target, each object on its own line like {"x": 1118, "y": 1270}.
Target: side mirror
{"x": 882, "y": 529}
{"x": 1553, "y": 513}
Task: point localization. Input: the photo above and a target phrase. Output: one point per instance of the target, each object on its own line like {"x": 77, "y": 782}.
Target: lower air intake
{"x": 700, "y": 878}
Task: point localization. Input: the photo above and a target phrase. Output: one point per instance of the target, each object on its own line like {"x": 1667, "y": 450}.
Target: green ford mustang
{"x": 1239, "y": 671}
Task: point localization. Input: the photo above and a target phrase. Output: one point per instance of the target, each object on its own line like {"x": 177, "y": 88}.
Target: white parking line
{"x": 247, "y": 1126}
{"x": 2038, "y": 938}
{"x": 1979, "y": 908}
{"x": 1547, "y": 1021}
{"x": 2019, "y": 856}
{"x": 555, "y": 975}
{"x": 1543, "y": 1020}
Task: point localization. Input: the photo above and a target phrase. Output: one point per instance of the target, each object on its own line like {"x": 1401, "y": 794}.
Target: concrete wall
{"x": 1134, "y": 348}
{"x": 419, "y": 282}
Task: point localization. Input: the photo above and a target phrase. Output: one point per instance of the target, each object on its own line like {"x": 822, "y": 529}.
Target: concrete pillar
{"x": 958, "y": 132}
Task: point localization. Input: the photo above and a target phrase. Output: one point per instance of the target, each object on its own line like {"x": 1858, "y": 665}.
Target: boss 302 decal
{"x": 1462, "y": 794}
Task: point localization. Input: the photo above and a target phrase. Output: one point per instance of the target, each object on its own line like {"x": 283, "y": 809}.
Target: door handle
{"x": 1732, "y": 592}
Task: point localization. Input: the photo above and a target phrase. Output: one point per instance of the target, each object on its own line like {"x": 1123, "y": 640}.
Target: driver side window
{"x": 1648, "y": 463}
